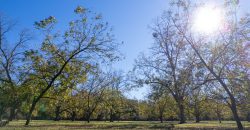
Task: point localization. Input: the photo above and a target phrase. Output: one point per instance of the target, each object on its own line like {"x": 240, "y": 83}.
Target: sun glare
{"x": 208, "y": 20}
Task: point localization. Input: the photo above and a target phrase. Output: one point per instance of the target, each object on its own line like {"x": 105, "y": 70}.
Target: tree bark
{"x": 35, "y": 100}
{"x": 73, "y": 116}
{"x": 161, "y": 118}
{"x": 12, "y": 114}
{"x": 232, "y": 99}
{"x": 28, "y": 118}
{"x": 235, "y": 114}
{"x": 57, "y": 112}
{"x": 2, "y": 110}
{"x": 111, "y": 116}
{"x": 197, "y": 113}
{"x": 248, "y": 116}
{"x": 89, "y": 113}
{"x": 219, "y": 118}
{"x": 88, "y": 118}
{"x": 197, "y": 118}
{"x": 182, "y": 117}
{"x": 218, "y": 112}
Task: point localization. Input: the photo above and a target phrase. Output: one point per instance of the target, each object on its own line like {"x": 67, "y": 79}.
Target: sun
{"x": 208, "y": 19}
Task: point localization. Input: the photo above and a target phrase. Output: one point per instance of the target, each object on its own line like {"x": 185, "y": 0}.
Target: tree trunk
{"x": 197, "y": 114}
{"x": 88, "y": 119}
{"x": 57, "y": 112}
{"x": 248, "y": 116}
{"x": 218, "y": 115}
{"x": 111, "y": 116}
{"x": 197, "y": 118}
{"x": 235, "y": 114}
{"x": 182, "y": 115}
{"x": 232, "y": 99}
{"x": 88, "y": 116}
{"x": 181, "y": 112}
{"x": 119, "y": 116}
{"x": 161, "y": 111}
{"x": 1, "y": 113}
{"x": 219, "y": 118}
{"x": 73, "y": 116}
{"x": 28, "y": 118}
{"x": 161, "y": 118}
{"x": 218, "y": 112}
{"x": 35, "y": 100}
{"x": 12, "y": 113}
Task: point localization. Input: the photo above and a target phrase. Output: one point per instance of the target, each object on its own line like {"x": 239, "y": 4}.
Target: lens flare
{"x": 208, "y": 19}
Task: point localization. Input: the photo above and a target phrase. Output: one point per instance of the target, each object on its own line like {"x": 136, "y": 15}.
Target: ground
{"x": 76, "y": 125}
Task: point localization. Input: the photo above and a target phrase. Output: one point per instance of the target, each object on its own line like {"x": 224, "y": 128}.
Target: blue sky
{"x": 129, "y": 18}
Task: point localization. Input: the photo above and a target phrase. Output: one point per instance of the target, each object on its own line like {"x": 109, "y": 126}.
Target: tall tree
{"x": 222, "y": 54}
{"x": 86, "y": 40}
{"x": 13, "y": 76}
{"x": 170, "y": 65}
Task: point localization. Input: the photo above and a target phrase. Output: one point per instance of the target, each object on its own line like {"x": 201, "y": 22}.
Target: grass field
{"x": 77, "y": 125}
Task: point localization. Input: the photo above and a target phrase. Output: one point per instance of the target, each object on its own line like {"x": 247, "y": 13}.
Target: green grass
{"x": 65, "y": 125}
{"x": 76, "y": 125}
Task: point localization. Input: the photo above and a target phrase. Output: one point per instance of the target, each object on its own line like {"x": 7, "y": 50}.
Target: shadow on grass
{"x": 50, "y": 125}
{"x": 124, "y": 126}
{"x": 208, "y": 128}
